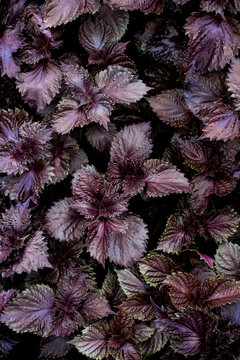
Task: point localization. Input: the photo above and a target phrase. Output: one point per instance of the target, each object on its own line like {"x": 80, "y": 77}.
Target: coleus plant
{"x": 120, "y": 241}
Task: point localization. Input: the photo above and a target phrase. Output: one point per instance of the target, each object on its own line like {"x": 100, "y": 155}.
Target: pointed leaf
{"x": 93, "y": 342}
{"x": 163, "y": 179}
{"x": 39, "y": 85}
{"x": 220, "y": 291}
{"x": 117, "y": 20}
{"x": 94, "y": 36}
{"x": 233, "y": 81}
{"x": 121, "y": 85}
{"x": 222, "y": 225}
{"x": 170, "y": 107}
{"x": 130, "y": 283}
{"x": 228, "y": 260}
{"x": 61, "y": 12}
{"x": 139, "y": 307}
{"x": 30, "y": 311}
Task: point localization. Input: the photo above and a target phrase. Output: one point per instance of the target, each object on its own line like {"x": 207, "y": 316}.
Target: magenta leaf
{"x": 30, "y": 311}
{"x": 210, "y": 261}
{"x": 57, "y": 13}
{"x": 217, "y": 41}
{"x": 170, "y": 107}
{"x": 39, "y": 85}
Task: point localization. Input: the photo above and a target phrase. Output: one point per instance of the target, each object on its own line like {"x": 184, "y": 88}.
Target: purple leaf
{"x": 142, "y": 332}
{"x": 54, "y": 347}
{"x": 29, "y": 261}
{"x": 117, "y": 20}
{"x": 228, "y": 260}
{"x": 5, "y": 297}
{"x": 210, "y": 261}
{"x": 222, "y": 225}
{"x": 30, "y": 311}
{"x": 39, "y": 85}
{"x": 170, "y": 107}
{"x": 144, "y": 5}
{"x": 10, "y": 42}
{"x": 220, "y": 291}
{"x": 57, "y": 13}
{"x": 163, "y": 179}
{"x": 93, "y": 36}
{"x": 99, "y": 137}
{"x": 95, "y": 306}
{"x": 139, "y": 307}
{"x": 93, "y": 342}
{"x": 155, "y": 267}
{"x": 216, "y": 42}
{"x": 111, "y": 289}
{"x": 121, "y": 85}
{"x": 125, "y": 248}
{"x": 195, "y": 154}
{"x": 64, "y": 223}
{"x": 222, "y": 123}
{"x": 130, "y": 283}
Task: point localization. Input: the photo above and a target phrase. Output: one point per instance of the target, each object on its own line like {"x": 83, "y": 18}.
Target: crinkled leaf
{"x": 175, "y": 235}
{"x": 183, "y": 289}
{"x": 30, "y": 311}
{"x": 130, "y": 283}
{"x": 155, "y": 343}
{"x": 231, "y": 312}
{"x": 111, "y": 289}
{"x": 142, "y": 332}
{"x": 163, "y": 179}
{"x": 55, "y": 347}
{"x": 212, "y": 41}
{"x": 93, "y": 342}
{"x": 5, "y": 297}
{"x": 155, "y": 267}
{"x": 117, "y": 20}
{"x": 220, "y": 291}
{"x": 195, "y": 154}
{"x": 170, "y": 107}
{"x": 39, "y": 85}
{"x": 144, "y": 5}
{"x": 121, "y": 85}
{"x": 95, "y": 306}
{"x": 233, "y": 81}
{"x": 125, "y": 248}
{"x": 99, "y": 137}
{"x": 95, "y": 35}
{"x": 63, "y": 11}
{"x": 228, "y": 260}
{"x": 64, "y": 223}
{"x": 222, "y": 123}
{"x": 139, "y": 307}
{"x": 222, "y": 225}
{"x": 10, "y": 42}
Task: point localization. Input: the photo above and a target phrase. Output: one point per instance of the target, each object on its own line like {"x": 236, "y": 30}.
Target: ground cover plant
{"x": 119, "y": 179}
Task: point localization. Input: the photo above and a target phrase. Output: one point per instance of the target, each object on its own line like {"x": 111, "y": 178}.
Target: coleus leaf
{"x": 39, "y": 85}
{"x": 129, "y": 246}
{"x": 163, "y": 179}
{"x": 130, "y": 282}
{"x": 222, "y": 123}
{"x": 222, "y": 225}
{"x": 139, "y": 307}
{"x": 216, "y": 41}
{"x": 155, "y": 267}
{"x": 120, "y": 84}
{"x": 93, "y": 36}
{"x": 170, "y": 107}
{"x": 30, "y": 311}
{"x": 228, "y": 260}
{"x": 93, "y": 342}
{"x": 64, "y": 223}
{"x": 57, "y": 13}
{"x": 233, "y": 81}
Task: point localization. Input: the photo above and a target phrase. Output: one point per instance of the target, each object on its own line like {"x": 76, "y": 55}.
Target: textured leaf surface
{"x": 39, "y": 85}
{"x": 30, "y": 311}
{"x": 222, "y": 225}
{"x": 139, "y": 306}
{"x": 228, "y": 260}
{"x": 63, "y": 11}
{"x": 170, "y": 107}
{"x": 130, "y": 283}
